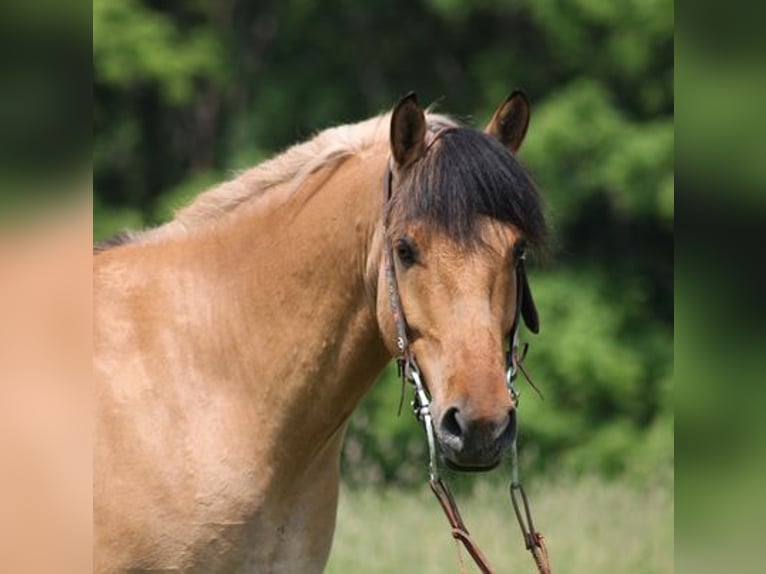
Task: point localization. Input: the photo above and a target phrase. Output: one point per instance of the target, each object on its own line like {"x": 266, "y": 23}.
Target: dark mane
{"x": 465, "y": 174}
{"x": 120, "y": 238}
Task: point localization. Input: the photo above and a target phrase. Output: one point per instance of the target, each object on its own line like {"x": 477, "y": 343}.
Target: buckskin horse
{"x": 233, "y": 342}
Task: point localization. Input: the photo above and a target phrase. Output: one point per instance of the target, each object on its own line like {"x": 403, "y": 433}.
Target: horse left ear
{"x": 510, "y": 121}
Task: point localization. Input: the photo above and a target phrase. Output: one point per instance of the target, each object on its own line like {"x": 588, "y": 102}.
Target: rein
{"x": 421, "y": 405}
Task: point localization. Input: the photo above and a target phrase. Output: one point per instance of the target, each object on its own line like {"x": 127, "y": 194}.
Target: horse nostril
{"x": 451, "y": 423}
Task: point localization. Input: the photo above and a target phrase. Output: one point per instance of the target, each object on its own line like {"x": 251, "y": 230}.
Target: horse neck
{"x": 294, "y": 283}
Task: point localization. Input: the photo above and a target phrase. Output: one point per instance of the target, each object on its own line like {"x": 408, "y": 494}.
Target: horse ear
{"x": 510, "y": 122}
{"x": 408, "y": 131}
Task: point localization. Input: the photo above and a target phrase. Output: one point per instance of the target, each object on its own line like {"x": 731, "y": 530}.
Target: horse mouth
{"x": 463, "y": 467}
{"x": 472, "y": 453}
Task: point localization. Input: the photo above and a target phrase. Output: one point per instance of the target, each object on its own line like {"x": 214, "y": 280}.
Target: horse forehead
{"x": 488, "y": 256}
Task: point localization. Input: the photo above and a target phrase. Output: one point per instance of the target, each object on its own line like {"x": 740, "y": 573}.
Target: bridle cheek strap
{"x": 404, "y": 360}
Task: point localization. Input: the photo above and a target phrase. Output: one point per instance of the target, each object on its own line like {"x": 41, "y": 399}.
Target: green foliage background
{"x": 188, "y": 92}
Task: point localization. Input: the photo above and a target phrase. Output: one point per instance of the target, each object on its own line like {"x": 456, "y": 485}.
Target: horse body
{"x": 232, "y": 344}
{"x": 227, "y": 382}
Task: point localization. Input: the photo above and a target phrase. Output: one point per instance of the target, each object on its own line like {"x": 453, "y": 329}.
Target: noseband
{"x": 409, "y": 372}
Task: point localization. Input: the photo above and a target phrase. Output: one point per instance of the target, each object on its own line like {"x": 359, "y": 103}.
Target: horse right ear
{"x": 408, "y": 131}
{"x": 510, "y": 121}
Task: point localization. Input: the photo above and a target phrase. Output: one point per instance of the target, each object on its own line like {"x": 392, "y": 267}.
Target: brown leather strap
{"x": 402, "y": 341}
{"x": 533, "y": 539}
{"x": 459, "y": 530}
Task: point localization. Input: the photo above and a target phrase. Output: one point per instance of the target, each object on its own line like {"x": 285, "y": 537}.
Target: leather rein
{"x": 409, "y": 372}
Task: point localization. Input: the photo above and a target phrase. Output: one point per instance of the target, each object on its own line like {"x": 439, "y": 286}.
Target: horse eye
{"x": 406, "y": 252}
{"x": 519, "y": 250}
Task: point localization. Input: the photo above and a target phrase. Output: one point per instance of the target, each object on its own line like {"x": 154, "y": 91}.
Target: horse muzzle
{"x": 474, "y": 444}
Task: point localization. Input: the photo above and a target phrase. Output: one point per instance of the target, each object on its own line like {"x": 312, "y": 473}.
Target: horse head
{"x": 459, "y": 213}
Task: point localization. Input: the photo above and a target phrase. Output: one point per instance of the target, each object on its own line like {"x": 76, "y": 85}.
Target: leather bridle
{"x": 421, "y": 404}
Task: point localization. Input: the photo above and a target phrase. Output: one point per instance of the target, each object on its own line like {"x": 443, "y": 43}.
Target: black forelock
{"x": 464, "y": 175}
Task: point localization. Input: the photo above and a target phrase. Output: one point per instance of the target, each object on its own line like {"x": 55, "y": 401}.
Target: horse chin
{"x": 461, "y": 467}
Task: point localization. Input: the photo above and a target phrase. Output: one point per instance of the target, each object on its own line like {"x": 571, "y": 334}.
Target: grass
{"x": 592, "y": 526}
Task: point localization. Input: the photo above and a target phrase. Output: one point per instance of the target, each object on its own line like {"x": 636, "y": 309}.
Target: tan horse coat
{"x": 200, "y": 431}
